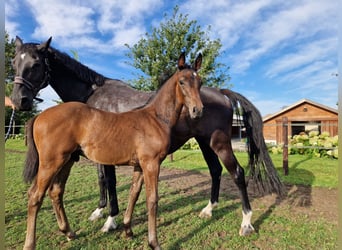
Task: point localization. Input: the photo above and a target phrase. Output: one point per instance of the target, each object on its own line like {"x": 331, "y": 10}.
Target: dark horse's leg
{"x": 107, "y": 182}
{"x": 221, "y": 145}
{"x": 103, "y": 193}
{"x": 215, "y": 169}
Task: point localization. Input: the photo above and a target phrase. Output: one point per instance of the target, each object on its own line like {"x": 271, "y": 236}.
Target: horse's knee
{"x": 239, "y": 177}
{"x": 55, "y": 192}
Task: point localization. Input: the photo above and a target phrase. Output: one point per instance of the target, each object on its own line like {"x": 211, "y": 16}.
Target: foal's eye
{"x": 181, "y": 82}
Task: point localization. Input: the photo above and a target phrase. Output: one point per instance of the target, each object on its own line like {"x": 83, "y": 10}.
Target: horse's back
{"x": 117, "y": 96}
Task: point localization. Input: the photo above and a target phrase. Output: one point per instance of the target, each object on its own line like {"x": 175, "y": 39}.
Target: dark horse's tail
{"x": 261, "y": 167}
{"x": 32, "y": 158}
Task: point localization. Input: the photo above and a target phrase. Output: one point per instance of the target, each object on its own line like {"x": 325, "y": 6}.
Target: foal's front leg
{"x": 151, "y": 173}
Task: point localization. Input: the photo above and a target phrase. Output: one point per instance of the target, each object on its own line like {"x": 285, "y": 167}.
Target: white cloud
{"x": 11, "y": 7}
{"x": 304, "y": 54}
{"x": 272, "y": 28}
{"x": 229, "y": 19}
{"x": 61, "y": 18}
{"x": 102, "y": 26}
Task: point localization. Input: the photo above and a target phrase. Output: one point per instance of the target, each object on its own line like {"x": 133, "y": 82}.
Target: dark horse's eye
{"x": 36, "y": 65}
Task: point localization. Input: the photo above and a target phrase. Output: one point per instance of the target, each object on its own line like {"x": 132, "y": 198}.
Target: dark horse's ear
{"x": 198, "y": 62}
{"x": 181, "y": 61}
{"x": 18, "y": 43}
{"x": 44, "y": 46}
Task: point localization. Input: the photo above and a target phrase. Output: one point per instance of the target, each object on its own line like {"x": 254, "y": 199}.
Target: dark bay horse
{"x": 38, "y": 65}
{"x": 140, "y": 138}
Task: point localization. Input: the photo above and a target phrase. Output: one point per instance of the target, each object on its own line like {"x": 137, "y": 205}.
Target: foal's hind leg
{"x": 215, "y": 169}
{"x": 221, "y": 144}
{"x": 134, "y": 193}
{"x": 36, "y": 195}
{"x": 56, "y": 192}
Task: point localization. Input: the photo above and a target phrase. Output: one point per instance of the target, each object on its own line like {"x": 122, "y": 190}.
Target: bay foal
{"x": 140, "y": 138}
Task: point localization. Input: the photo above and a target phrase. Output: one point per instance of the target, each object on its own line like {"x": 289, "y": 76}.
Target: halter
{"x": 29, "y": 85}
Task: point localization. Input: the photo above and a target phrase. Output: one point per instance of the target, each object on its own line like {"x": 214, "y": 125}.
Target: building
{"x": 303, "y": 116}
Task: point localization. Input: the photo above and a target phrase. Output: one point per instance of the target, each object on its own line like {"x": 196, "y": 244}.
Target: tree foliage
{"x": 156, "y": 54}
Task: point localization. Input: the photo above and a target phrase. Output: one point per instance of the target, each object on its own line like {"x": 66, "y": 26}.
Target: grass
{"x": 303, "y": 170}
{"x": 179, "y": 226}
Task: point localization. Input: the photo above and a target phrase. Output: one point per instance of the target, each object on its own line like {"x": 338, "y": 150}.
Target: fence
{"x": 15, "y": 130}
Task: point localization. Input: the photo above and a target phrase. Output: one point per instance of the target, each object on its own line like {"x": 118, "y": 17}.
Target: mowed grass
{"x": 179, "y": 226}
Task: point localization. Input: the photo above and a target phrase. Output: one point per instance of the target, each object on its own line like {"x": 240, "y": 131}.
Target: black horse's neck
{"x": 71, "y": 80}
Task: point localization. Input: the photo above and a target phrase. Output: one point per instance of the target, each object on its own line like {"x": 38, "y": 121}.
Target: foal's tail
{"x": 261, "y": 166}
{"x": 32, "y": 158}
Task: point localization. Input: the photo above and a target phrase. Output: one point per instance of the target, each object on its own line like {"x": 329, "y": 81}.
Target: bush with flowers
{"x": 312, "y": 143}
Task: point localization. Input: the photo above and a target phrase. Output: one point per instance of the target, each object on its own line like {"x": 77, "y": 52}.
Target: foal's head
{"x": 31, "y": 72}
{"x": 189, "y": 84}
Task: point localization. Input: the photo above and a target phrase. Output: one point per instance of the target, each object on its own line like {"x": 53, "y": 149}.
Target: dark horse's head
{"x": 31, "y": 72}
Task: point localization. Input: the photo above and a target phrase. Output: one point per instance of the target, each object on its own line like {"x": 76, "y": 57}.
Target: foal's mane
{"x": 82, "y": 72}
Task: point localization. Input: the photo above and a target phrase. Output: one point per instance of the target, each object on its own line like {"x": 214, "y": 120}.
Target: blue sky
{"x": 279, "y": 52}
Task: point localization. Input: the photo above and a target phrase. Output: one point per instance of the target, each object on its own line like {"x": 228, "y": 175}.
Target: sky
{"x": 279, "y": 52}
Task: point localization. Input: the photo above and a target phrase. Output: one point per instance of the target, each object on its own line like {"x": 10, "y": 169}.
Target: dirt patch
{"x": 313, "y": 202}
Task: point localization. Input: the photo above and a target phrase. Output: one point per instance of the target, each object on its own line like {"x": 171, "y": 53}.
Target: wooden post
{"x": 286, "y": 146}
{"x": 171, "y": 157}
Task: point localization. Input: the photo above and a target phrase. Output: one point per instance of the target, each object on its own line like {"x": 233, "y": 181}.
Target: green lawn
{"x": 316, "y": 172}
{"x": 179, "y": 226}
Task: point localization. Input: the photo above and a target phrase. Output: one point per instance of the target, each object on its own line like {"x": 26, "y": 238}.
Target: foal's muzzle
{"x": 196, "y": 112}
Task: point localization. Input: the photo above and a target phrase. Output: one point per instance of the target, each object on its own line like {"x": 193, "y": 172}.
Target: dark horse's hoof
{"x": 246, "y": 230}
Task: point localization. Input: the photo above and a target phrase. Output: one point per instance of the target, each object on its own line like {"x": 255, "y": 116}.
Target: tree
{"x": 156, "y": 54}
{"x": 20, "y": 117}
{"x": 9, "y": 55}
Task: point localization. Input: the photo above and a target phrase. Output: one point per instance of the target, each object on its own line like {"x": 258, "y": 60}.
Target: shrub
{"x": 191, "y": 144}
{"x": 305, "y": 144}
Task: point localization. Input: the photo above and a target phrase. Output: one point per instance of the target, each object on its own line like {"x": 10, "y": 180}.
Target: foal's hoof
{"x": 246, "y": 230}
{"x": 71, "y": 236}
{"x": 128, "y": 233}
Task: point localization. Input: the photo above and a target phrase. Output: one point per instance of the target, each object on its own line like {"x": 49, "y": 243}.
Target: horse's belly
{"x": 110, "y": 156}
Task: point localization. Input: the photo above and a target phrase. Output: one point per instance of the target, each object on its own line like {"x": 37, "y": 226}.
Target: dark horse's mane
{"x": 82, "y": 72}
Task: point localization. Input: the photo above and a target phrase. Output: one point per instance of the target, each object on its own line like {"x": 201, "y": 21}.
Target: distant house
{"x": 303, "y": 116}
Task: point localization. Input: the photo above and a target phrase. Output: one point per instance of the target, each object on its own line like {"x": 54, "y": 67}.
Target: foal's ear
{"x": 44, "y": 46}
{"x": 198, "y": 62}
{"x": 18, "y": 43}
{"x": 181, "y": 61}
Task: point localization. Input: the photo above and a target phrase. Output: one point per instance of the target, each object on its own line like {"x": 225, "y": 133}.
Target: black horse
{"x": 38, "y": 65}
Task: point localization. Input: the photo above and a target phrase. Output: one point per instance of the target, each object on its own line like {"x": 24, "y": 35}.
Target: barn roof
{"x": 301, "y": 102}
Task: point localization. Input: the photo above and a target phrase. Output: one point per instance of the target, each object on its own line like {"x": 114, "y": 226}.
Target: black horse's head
{"x": 31, "y": 72}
